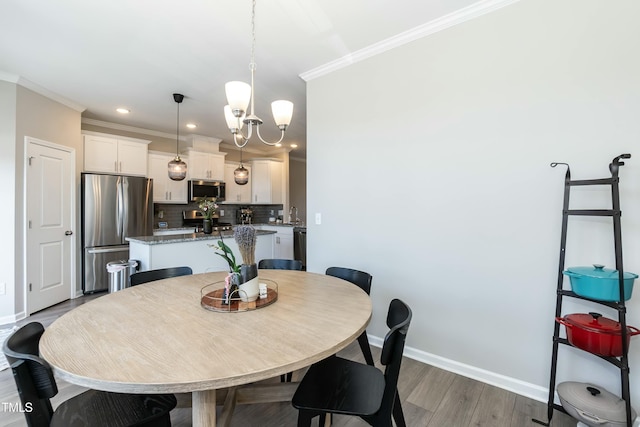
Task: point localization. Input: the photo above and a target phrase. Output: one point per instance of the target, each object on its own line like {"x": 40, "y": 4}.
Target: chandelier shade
{"x": 238, "y": 96}
{"x": 232, "y": 121}
{"x": 282, "y": 112}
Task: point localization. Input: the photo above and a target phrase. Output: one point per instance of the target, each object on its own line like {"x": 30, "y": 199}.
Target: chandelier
{"x": 240, "y": 96}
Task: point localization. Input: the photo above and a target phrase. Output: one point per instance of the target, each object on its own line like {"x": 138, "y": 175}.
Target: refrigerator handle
{"x": 109, "y": 249}
{"x": 119, "y": 207}
{"x": 125, "y": 205}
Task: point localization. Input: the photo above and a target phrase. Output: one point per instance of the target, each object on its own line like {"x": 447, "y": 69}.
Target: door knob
{"x": 68, "y": 233}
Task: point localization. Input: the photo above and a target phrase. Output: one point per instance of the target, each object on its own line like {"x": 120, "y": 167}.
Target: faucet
{"x": 291, "y": 220}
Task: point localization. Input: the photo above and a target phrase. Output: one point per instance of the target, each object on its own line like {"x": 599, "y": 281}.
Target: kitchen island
{"x": 193, "y": 250}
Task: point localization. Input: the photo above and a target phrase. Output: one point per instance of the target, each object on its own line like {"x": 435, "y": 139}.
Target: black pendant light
{"x": 177, "y": 168}
{"x": 241, "y": 174}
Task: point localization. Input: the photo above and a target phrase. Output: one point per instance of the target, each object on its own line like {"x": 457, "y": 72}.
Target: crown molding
{"x": 249, "y": 149}
{"x": 465, "y": 14}
{"x": 7, "y": 77}
{"x": 128, "y": 128}
{"x": 144, "y": 131}
{"x": 12, "y": 78}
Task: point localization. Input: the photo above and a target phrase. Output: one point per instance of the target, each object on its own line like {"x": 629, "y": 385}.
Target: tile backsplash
{"x": 172, "y": 214}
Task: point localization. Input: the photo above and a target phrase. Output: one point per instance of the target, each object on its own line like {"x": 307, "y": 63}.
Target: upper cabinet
{"x": 267, "y": 181}
{"x": 115, "y": 154}
{"x": 165, "y": 190}
{"x": 205, "y": 166}
{"x": 236, "y": 193}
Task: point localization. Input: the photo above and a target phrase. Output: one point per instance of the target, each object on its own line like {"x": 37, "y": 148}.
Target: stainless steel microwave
{"x": 198, "y": 190}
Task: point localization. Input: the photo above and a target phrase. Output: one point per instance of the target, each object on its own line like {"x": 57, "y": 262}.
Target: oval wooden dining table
{"x": 157, "y": 338}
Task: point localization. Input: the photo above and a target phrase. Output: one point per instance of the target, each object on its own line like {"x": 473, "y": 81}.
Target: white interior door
{"x": 49, "y": 189}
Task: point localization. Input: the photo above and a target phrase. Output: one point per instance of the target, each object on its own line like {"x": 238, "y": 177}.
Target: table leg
{"x": 203, "y": 406}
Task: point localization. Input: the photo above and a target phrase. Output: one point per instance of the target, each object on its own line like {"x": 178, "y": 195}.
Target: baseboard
{"x": 13, "y": 318}
{"x": 514, "y": 385}
{"x": 523, "y": 388}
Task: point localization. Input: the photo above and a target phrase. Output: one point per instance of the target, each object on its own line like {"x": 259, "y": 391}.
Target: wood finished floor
{"x": 431, "y": 397}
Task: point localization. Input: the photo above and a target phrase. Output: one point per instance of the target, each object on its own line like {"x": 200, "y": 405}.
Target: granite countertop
{"x": 187, "y": 237}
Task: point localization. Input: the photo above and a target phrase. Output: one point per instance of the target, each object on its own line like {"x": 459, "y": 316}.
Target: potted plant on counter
{"x": 208, "y": 208}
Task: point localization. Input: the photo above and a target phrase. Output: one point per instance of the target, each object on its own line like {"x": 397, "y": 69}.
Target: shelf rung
{"x": 601, "y": 181}
{"x": 593, "y": 212}
{"x": 612, "y": 360}
{"x": 614, "y": 305}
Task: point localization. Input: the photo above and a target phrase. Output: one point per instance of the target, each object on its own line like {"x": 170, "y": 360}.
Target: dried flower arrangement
{"x": 245, "y": 236}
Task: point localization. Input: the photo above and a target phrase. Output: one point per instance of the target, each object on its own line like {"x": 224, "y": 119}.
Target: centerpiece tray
{"x": 212, "y": 298}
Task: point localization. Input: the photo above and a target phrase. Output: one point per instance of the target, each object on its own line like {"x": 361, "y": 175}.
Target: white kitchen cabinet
{"x": 267, "y": 181}
{"x": 236, "y": 193}
{"x": 283, "y": 241}
{"x": 205, "y": 166}
{"x": 165, "y": 190}
{"x": 115, "y": 154}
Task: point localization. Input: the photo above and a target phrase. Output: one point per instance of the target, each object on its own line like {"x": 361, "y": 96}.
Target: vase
{"x": 206, "y": 226}
{"x": 249, "y": 291}
{"x": 248, "y": 272}
{"x": 249, "y": 288}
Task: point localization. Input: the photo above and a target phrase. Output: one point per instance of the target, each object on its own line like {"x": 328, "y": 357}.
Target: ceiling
{"x": 98, "y": 56}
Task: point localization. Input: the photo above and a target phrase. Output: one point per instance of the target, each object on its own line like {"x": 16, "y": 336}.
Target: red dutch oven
{"x": 596, "y": 334}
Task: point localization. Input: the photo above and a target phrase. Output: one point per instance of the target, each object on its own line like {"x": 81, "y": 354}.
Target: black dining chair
{"x": 341, "y": 386}
{"x": 362, "y": 280}
{"x": 36, "y": 385}
{"x": 280, "y": 264}
{"x": 161, "y": 273}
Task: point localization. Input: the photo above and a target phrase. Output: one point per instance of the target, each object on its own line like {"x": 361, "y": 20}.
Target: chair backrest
{"x": 357, "y": 277}
{"x": 162, "y": 273}
{"x": 398, "y": 320}
{"x": 280, "y": 264}
{"x": 32, "y": 374}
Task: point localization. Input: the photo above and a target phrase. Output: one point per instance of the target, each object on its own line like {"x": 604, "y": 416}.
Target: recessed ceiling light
{"x": 191, "y": 125}
{"x": 123, "y": 110}
{"x": 278, "y": 145}
{"x": 294, "y": 145}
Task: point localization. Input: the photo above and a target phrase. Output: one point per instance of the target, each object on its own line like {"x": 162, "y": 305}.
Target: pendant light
{"x": 177, "y": 168}
{"x": 241, "y": 174}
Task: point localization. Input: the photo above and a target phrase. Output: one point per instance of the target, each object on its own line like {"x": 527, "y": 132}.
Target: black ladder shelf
{"x": 621, "y": 362}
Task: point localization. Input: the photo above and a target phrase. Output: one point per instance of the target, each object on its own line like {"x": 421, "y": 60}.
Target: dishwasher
{"x": 300, "y": 245}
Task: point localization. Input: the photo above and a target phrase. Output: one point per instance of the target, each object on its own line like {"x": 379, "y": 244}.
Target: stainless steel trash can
{"x": 300, "y": 245}
{"x": 119, "y": 272}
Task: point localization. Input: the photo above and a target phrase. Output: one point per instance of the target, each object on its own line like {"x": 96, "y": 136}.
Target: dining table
{"x": 159, "y": 338}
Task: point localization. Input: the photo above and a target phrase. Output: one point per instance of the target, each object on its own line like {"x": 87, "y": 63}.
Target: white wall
{"x": 34, "y": 115}
{"x": 7, "y": 194}
{"x": 430, "y": 166}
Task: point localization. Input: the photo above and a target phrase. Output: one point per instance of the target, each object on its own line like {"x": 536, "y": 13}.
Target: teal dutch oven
{"x": 599, "y": 283}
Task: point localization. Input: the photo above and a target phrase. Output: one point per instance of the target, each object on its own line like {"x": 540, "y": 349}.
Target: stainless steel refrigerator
{"x": 114, "y": 207}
